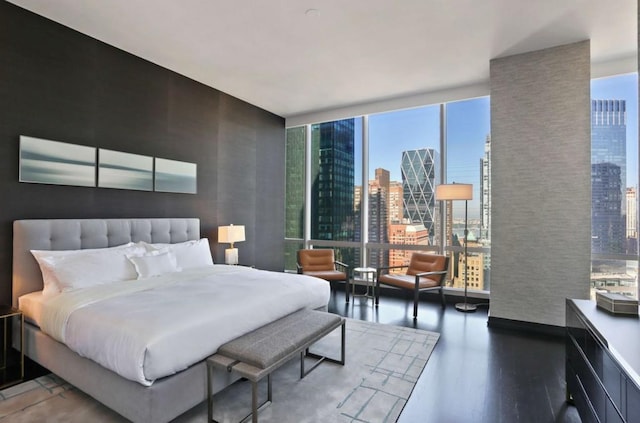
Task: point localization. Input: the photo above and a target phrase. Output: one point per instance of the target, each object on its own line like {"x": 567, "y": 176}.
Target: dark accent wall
{"x": 61, "y": 85}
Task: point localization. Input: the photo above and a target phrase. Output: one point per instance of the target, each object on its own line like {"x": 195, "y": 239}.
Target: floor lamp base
{"x": 466, "y": 307}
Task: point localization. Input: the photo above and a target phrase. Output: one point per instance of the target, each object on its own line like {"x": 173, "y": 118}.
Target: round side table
{"x": 367, "y": 275}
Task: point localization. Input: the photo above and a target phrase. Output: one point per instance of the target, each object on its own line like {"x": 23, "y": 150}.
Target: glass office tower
{"x": 608, "y": 176}
{"x": 420, "y": 175}
{"x": 332, "y": 175}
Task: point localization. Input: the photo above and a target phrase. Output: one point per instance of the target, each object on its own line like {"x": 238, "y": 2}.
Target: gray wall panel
{"x": 58, "y": 84}
{"x": 541, "y": 190}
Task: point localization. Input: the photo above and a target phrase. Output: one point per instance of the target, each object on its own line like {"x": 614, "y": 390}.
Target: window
{"x": 614, "y": 185}
{"x": 404, "y": 168}
{"x": 394, "y": 212}
{"x": 469, "y": 161}
{"x": 405, "y": 163}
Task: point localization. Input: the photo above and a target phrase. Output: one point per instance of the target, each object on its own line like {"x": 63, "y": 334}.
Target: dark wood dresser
{"x": 602, "y": 363}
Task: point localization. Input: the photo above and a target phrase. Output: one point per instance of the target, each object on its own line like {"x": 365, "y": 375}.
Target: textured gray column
{"x": 541, "y": 183}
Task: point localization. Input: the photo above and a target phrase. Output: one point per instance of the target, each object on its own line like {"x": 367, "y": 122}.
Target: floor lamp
{"x": 449, "y": 192}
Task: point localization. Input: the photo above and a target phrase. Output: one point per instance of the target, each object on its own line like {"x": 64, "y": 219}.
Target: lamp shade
{"x": 454, "y": 192}
{"x": 230, "y": 234}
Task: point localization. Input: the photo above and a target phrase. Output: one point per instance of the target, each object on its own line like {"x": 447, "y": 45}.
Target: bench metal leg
{"x": 321, "y": 358}
{"x": 255, "y": 408}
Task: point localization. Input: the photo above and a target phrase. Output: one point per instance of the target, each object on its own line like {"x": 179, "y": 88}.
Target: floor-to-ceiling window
{"x": 614, "y": 184}
{"x": 408, "y": 152}
{"x": 468, "y": 160}
{"x": 404, "y": 168}
{"x": 372, "y": 180}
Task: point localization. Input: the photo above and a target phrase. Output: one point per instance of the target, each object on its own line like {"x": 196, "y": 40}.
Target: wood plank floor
{"x": 476, "y": 373}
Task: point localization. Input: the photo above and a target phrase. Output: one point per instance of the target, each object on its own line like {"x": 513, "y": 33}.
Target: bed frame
{"x": 166, "y": 398}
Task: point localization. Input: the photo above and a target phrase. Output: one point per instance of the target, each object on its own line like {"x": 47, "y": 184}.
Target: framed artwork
{"x": 176, "y": 176}
{"x": 124, "y": 170}
{"x": 52, "y": 162}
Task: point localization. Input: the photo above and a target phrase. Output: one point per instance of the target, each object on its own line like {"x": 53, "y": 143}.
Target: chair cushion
{"x": 408, "y": 281}
{"x": 268, "y": 344}
{"x": 316, "y": 260}
{"x": 423, "y": 262}
{"x": 329, "y": 275}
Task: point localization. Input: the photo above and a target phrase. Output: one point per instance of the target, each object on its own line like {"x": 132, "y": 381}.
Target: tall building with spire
{"x": 420, "y": 175}
{"x": 485, "y": 191}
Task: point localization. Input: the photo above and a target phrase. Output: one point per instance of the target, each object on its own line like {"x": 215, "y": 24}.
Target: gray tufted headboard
{"x": 76, "y": 234}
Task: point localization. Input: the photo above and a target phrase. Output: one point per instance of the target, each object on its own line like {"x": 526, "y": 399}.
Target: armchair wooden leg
{"x": 444, "y": 301}
{"x": 377, "y": 292}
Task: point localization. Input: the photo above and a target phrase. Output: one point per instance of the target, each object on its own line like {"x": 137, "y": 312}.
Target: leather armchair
{"x": 424, "y": 272}
{"x": 322, "y": 264}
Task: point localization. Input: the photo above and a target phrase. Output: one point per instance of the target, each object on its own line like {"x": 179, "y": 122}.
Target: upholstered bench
{"x": 258, "y": 353}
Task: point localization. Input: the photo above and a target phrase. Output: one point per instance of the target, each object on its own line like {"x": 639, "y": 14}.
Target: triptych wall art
{"x": 53, "y": 162}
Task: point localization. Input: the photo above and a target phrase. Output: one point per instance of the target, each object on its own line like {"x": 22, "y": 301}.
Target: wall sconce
{"x": 229, "y": 235}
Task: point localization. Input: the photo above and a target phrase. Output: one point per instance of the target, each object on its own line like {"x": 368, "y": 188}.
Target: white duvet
{"x": 150, "y": 328}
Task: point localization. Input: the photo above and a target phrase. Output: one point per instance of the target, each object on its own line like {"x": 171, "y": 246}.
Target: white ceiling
{"x": 280, "y": 56}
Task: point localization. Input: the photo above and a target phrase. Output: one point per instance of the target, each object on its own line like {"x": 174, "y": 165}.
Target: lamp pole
{"x": 465, "y": 306}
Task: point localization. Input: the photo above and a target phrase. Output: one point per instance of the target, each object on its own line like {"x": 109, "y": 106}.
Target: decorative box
{"x": 617, "y": 303}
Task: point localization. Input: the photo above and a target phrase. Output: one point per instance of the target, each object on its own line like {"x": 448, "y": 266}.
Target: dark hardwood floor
{"x": 476, "y": 373}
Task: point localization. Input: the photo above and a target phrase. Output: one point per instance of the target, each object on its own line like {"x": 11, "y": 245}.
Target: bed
{"x": 159, "y": 397}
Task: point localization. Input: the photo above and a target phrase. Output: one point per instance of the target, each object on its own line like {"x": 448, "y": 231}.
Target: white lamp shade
{"x": 230, "y": 234}
{"x": 454, "y": 192}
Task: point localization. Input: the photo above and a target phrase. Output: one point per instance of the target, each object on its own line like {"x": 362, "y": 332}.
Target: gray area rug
{"x": 383, "y": 363}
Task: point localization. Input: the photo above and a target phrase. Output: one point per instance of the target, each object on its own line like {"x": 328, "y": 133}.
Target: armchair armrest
{"x": 344, "y": 265}
{"x": 387, "y": 268}
{"x": 438, "y": 272}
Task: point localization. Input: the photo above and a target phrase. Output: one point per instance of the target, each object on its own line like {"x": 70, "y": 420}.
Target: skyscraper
{"x": 294, "y": 183}
{"x": 608, "y": 176}
{"x": 332, "y": 173}
{"x": 395, "y": 202}
{"x": 420, "y": 175}
{"x": 378, "y": 222}
{"x": 485, "y": 190}
{"x": 632, "y": 221}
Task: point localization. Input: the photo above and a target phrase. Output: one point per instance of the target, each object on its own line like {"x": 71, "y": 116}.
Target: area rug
{"x": 383, "y": 363}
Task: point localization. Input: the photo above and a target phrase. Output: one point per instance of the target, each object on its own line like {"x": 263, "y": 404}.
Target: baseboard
{"x": 530, "y": 327}
{"x": 452, "y": 296}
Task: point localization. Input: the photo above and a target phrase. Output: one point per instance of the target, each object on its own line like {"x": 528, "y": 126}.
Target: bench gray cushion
{"x": 270, "y": 343}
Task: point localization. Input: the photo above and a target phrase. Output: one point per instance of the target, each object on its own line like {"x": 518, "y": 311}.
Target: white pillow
{"x": 50, "y": 282}
{"x": 189, "y": 254}
{"x": 154, "y": 263}
{"x": 85, "y": 269}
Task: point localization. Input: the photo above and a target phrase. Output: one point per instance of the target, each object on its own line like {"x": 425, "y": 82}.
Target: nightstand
{"x": 11, "y": 367}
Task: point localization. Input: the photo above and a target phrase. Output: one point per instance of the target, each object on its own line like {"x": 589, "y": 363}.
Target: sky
{"x": 468, "y": 124}
{"x": 392, "y": 133}
{"x": 623, "y": 87}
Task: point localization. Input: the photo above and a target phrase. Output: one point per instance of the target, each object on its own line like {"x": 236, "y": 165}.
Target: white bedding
{"x": 150, "y": 328}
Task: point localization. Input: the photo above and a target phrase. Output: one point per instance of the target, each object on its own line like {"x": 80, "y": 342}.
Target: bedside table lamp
{"x": 229, "y": 235}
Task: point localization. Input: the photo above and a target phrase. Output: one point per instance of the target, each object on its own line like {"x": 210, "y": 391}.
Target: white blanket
{"x": 150, "y": 328}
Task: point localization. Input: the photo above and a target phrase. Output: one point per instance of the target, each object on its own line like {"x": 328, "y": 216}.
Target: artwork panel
{"x": 176, "y": 176}
{"x": 58, "y": 163}
{"x": 125, "y": 170}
